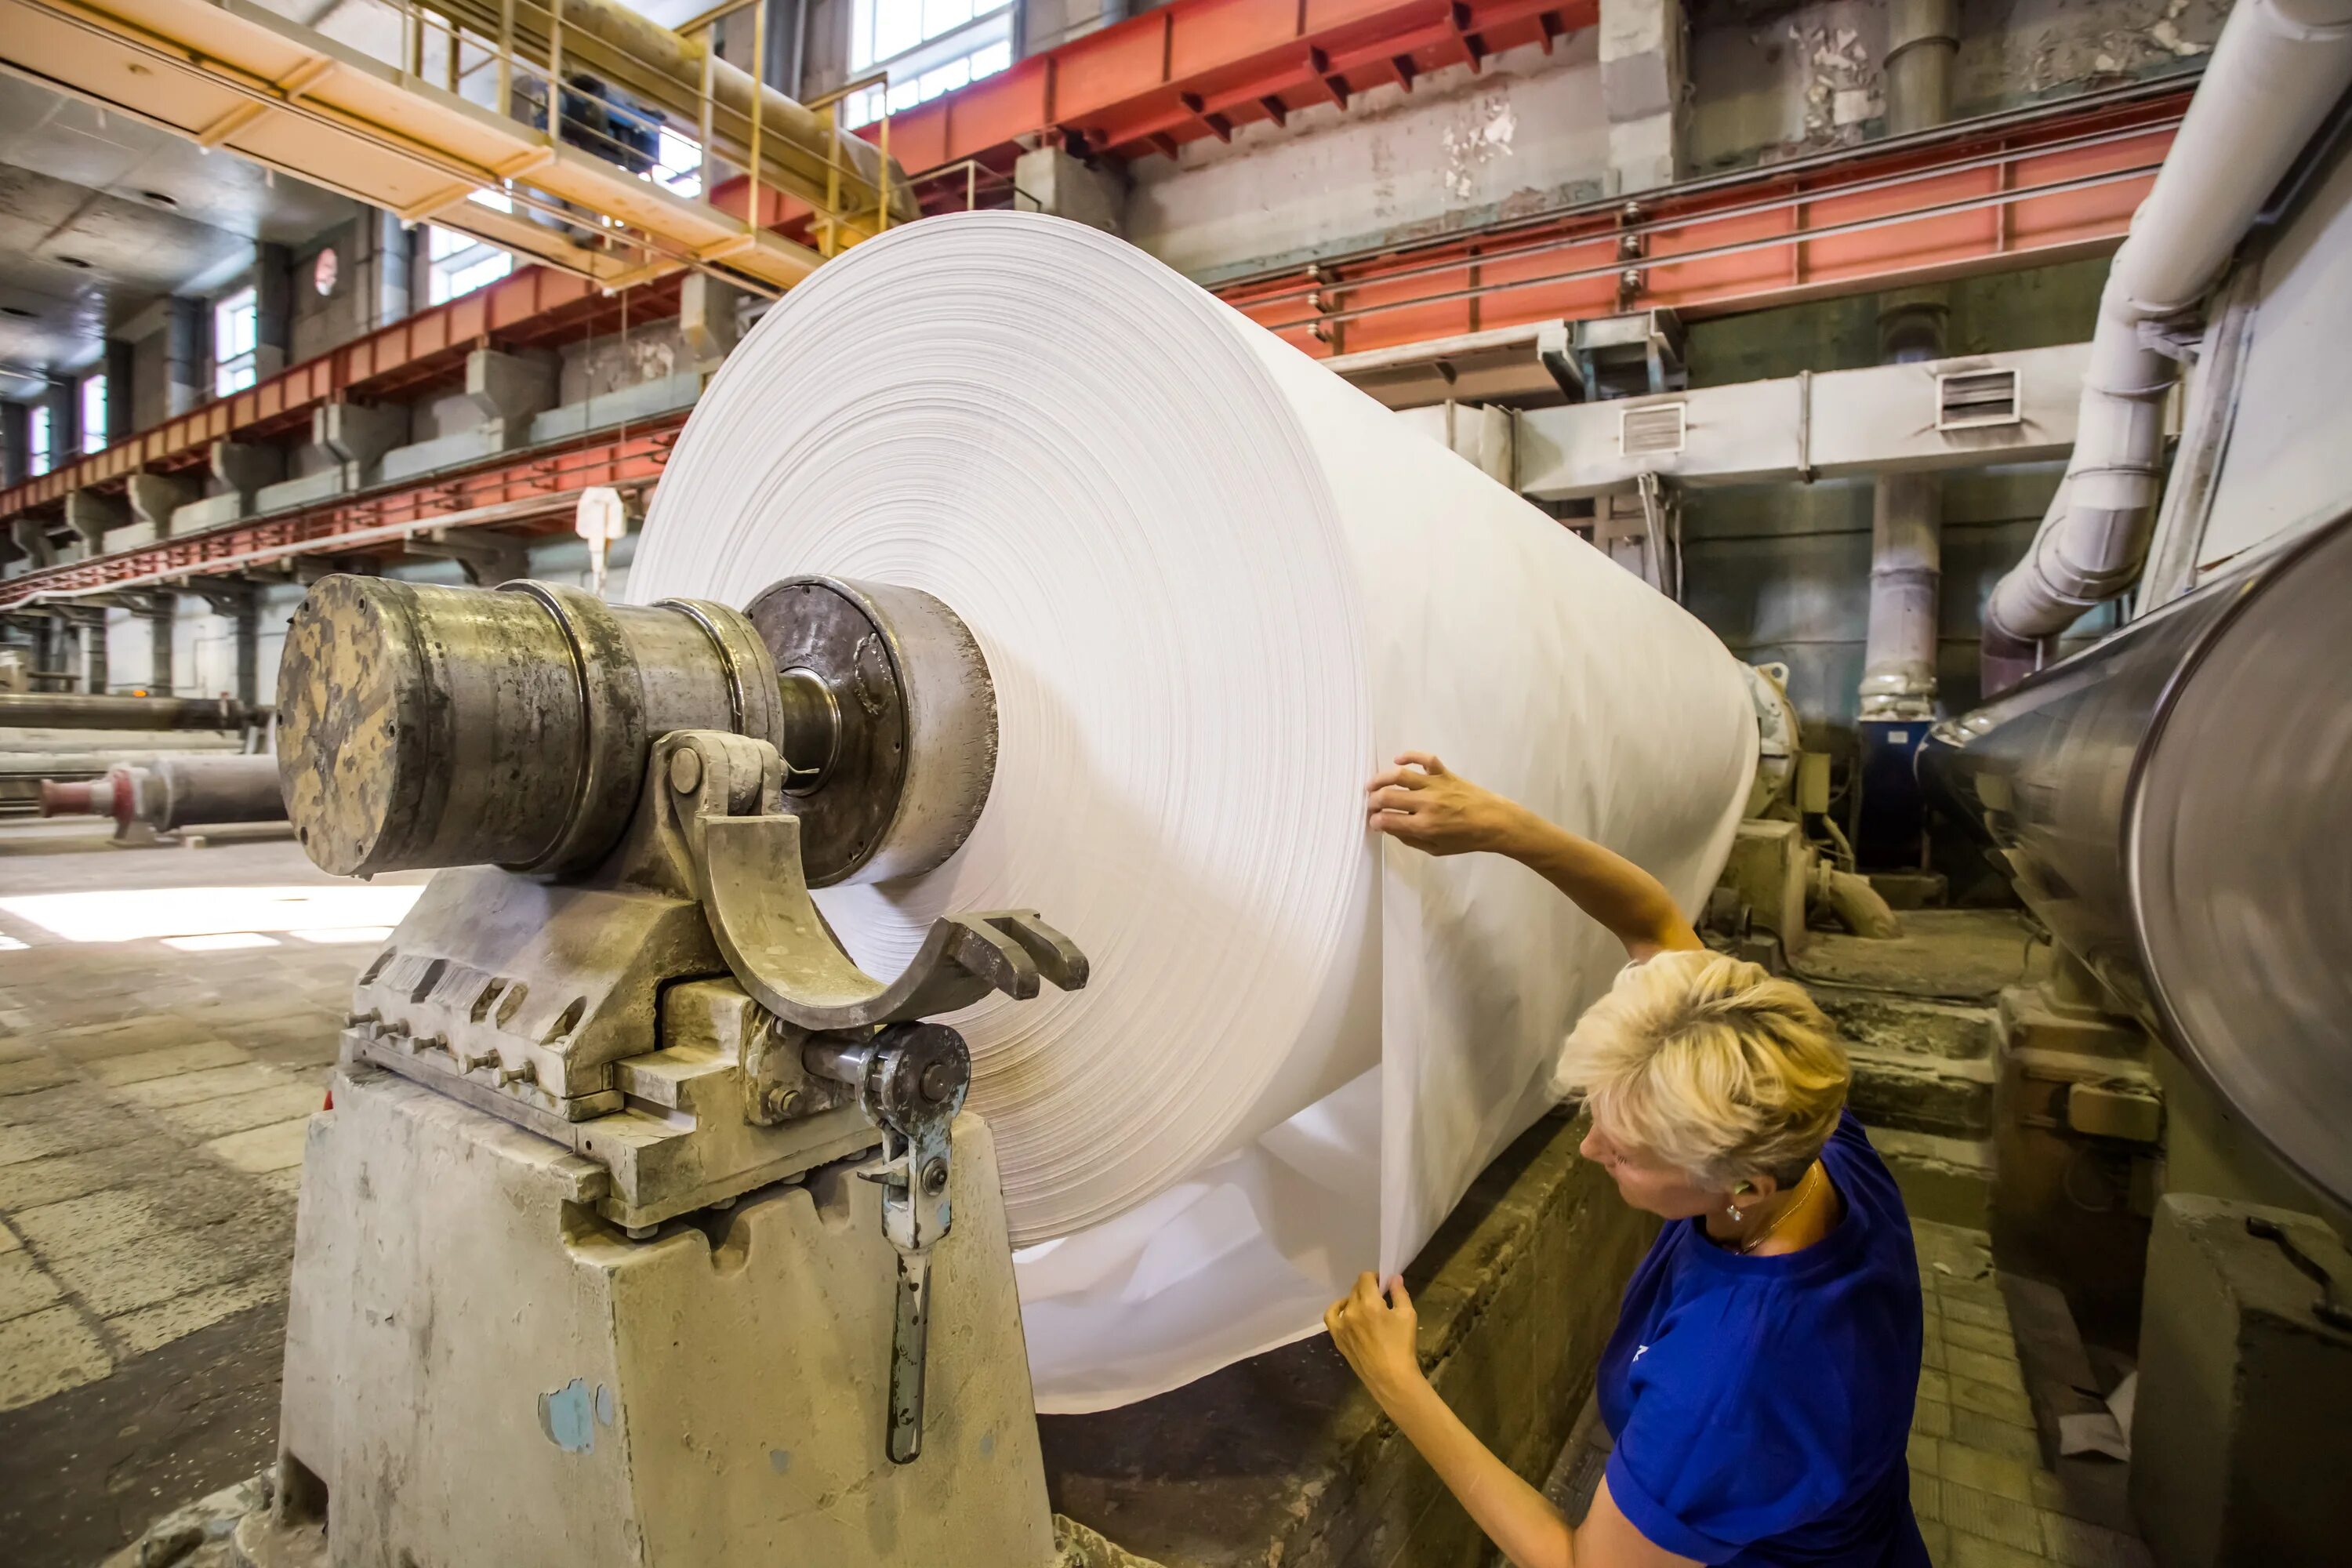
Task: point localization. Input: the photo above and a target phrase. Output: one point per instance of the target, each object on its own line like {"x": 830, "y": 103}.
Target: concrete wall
{"x": 1530, "y": 132}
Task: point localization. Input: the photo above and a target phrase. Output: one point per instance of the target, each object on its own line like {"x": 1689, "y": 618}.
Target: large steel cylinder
{"x": 66, "y": 711}
{"x": 2170, "y": 803}
{"x": 422, "y": 726}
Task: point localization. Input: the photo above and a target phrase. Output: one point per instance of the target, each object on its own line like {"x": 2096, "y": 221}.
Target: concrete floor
{"x": 152, "y": 1099}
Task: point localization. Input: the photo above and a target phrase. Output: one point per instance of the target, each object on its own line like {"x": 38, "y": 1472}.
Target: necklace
{"x": 1804, "y": 1196}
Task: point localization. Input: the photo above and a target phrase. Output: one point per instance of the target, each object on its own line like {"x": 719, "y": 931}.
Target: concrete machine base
{"x": 718, "y": 1394}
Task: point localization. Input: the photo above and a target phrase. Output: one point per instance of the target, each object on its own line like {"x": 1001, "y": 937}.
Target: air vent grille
{"x": 1650, "y": 430}
{"x": 1973, "y": 399}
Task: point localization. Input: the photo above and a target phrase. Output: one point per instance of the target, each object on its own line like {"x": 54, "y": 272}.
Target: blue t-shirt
{"x": 1761, "y": 1407}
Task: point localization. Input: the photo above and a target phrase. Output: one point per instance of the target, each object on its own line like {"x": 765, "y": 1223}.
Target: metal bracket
{"x": 911, "y": 1079}
{"x": 728, "y": 794}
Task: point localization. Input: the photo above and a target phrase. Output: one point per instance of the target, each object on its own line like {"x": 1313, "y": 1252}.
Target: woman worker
{"x": 1760, "y": 1382}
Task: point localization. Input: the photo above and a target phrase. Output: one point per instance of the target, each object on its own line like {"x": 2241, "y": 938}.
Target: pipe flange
{"x": 889, "y": 724}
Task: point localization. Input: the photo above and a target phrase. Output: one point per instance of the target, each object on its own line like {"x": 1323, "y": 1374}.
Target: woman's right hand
{"x": 1417, "y": 801}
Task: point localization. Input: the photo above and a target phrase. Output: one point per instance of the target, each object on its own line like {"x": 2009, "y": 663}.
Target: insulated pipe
{"x": 2279, "y": 69}
{"x": 663, "y": 69}
{"x": 65, "y": 711}
{"x": 1907, "y": 565}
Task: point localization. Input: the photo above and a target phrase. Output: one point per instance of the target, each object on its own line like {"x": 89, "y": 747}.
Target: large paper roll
{"x": 1214, "y": 586}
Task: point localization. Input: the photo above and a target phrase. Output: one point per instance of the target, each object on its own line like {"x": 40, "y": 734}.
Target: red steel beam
{"x": 2065, "y": 186}
{"x": 533, "y": 307}
{"x": 518, "y": 489}
{"x": 1199, "y": 68}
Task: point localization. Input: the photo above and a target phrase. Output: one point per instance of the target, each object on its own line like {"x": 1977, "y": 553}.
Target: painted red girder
{"x": 1200, "y": 68}
{"x": 536, "y": 307}
{"x": 2039, "y": 192}
{"x": 541, "y": 485}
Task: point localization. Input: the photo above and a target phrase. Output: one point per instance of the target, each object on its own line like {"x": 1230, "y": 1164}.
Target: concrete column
{"x": 706, "y": 319}
{"x": 92, "y": 516}
{"x": 16, "y": 430}
{"x": 154, "y": 496}
{"x": 184, "y": 357}
{"x": 273, "y": 295}
{"x": 245, "y": 467}
{"x": 1643, "y": 81}
{"x": 510, "y": 389}
{"x": 380, "y": 271}
{"x": 358, "y": 436}
{"x": 161, "y": 612}
{"x": 90, "y": 634}
{"x": 119, "y": 373}
{"x": 1049, "y": 180}
{"x": 32, "y": 537}
{"x": 65, "y": 422}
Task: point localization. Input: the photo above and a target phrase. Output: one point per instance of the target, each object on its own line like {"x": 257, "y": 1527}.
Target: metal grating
{"x": 1973, "y": 399}
{"x": 1651, "y": 430}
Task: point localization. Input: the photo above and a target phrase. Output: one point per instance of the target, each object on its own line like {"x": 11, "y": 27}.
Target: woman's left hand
{"x": 1377, "y": 1336}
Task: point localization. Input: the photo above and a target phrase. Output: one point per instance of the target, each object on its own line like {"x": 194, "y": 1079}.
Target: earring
{"x": 1733, "y": 1210}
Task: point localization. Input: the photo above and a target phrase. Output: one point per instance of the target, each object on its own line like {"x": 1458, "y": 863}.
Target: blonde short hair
{"x": 1711, "y": 1065}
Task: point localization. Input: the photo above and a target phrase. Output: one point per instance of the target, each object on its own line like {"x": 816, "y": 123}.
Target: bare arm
{"x": 1419, "y": 803}
{"x": 1377, "y": 1337}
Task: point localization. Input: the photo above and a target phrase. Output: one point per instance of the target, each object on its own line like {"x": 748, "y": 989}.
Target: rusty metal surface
{"x": 427, "y": 726}
{"x": 892, "y": 746}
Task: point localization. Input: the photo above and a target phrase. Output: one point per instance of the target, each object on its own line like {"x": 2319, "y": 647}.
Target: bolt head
{"x": 939, "y": 1082}
{"x": 783, "y": 1102}
{"x": 684, "y": 770}
{"x": 935, "y": 1177}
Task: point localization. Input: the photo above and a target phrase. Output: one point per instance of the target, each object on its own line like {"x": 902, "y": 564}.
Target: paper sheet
{"x": 1216, "y": 586}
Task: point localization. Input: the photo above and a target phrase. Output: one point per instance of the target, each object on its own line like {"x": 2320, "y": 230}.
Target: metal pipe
{"x": 172, "y": 793}
{"x": 649, "y": 62}
{"x": 65, "y": 711}
{"x": 1922, "y": 37}
{"x": 1906, "y": 547}
{"x": 2278, "y": 69}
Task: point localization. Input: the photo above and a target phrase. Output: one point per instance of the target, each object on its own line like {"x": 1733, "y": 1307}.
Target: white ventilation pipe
{"x": 2280, "y": 66}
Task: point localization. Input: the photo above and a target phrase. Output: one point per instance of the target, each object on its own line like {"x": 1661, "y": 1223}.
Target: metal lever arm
{"x": 911, "y": 1079}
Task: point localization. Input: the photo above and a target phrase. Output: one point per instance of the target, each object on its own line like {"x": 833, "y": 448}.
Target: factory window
{"x": 236, "y": 333}
{"x": 93, "y": 413}
{"x": 459, "y": 263}
{"x": 679, "y": 167}
{"x": 928, "y": 47}
{"x": 38, "y": 456}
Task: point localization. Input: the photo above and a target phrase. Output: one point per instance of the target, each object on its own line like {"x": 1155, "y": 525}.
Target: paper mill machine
{"x": 628, "y": 1240}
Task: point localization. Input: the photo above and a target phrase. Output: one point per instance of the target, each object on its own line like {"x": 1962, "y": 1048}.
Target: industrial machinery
{"x": 2169, "y": 803}
{"x": 1778, "y": 879}
{"x": 628, "y": 1239}
{"x": 167, "y": 794}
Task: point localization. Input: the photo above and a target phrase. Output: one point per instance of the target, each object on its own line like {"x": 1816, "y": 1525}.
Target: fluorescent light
{"x": 10, "y": 945}
{"x": 219, "y": 941}
{"x": 346, "y": 934}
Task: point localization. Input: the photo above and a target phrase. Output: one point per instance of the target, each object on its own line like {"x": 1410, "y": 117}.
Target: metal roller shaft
{"x": 424, "y": 726}
{"x": 62, "y": 710}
